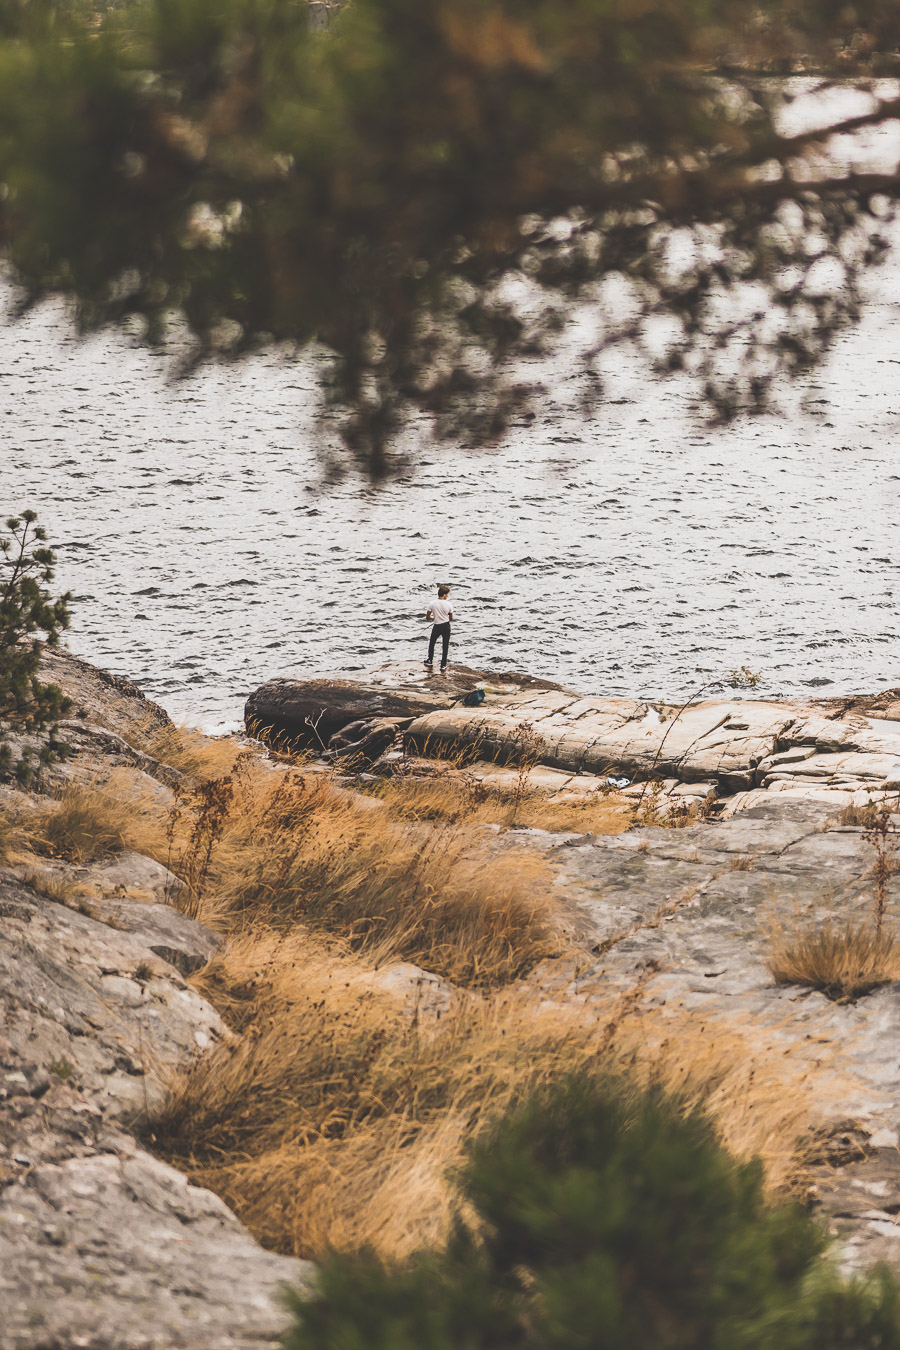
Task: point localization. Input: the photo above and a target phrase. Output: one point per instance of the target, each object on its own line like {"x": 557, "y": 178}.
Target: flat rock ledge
{"x": 310, "y": 712}
{"x": 730, "y": 751}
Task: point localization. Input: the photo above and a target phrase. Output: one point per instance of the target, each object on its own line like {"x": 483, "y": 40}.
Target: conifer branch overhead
{"x": 371, "y": 189}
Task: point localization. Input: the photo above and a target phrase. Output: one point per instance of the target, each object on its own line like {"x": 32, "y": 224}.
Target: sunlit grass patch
{"x": 13, "y": 835}
{"x": 458, "y": 796}
{"x": 88, "y": 821}
{"x": 337, "y": 1118}
{"x": 189, "y": 751}
{"x": 267, "y": 847}
{"x": 84, "y": 823}
{"x": 843, "y": 958}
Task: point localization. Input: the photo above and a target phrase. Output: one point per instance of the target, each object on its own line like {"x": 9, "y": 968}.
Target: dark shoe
{"x": 443, "y": 669}
{"x": 429, "y": 665}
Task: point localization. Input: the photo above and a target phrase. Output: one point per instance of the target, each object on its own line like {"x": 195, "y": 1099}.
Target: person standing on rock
{"x": 440, "y": 612}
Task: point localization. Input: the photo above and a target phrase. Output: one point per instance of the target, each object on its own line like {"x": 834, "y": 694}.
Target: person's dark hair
{"x": 442, "y": 591}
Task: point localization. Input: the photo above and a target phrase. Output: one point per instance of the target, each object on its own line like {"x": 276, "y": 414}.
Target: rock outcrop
{"x": 103, "y": 1245}
{"x": 727, "y": 750}
{"x": 310, "y": 712}
{"x": 101, "y": 699}
{"x": 109, "y": 722}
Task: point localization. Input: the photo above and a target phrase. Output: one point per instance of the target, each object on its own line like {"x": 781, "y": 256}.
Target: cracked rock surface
{"x": 101, "y": 1244}
{"x": 732, "y": 750}
{"x": 689, "y": 908}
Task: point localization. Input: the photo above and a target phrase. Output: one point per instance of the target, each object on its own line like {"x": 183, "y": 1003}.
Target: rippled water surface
{"x": 622, "y": 555}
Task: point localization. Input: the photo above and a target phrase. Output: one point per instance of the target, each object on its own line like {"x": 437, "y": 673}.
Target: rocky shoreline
{"x": 103, "y": 1245}
{"x": 730, "y": 754}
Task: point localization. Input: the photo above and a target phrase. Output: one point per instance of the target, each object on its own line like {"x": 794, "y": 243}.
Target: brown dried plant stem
{"x": 881, "y": 834}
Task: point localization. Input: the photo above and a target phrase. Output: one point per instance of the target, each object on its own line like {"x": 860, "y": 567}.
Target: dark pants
{"x": 442, "y": 631}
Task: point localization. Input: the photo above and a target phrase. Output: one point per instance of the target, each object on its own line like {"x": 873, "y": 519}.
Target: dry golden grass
{"x": 843, "y": 958}
{"x": 189, "y": 751}
{"x": 269, "y": 848}
{"x": 459, "y": 797}
{"x": 335, "y": 1116}
{"x": 12, "y": 833}
{"x": 855, "y": 814}
{"x": 337, "y": 1119}
{"x": 264, "y": 847}
{"x": 58, "y": 889}
{"x": 84, "y": 823}
{"x": 88, "y": 821}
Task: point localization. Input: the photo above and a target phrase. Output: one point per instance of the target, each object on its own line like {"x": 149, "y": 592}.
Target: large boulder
{"x": 101, "y": 1000}
{"x": 310, "y": 712}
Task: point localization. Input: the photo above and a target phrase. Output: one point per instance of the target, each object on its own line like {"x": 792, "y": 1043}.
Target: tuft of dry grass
{"x": 864, "y": 815}
{"x": 189, "y": 751}
{"x": 88, "y": 821}
{"x": 456, "y": 797}
{"x": 12, "y": 833}
{"x": 335, "y": 1102}
{"x": 58, "y": 889}
{"x": 84, "y": 823}
{"x": 842, "y": 958}
{"x": 269, "y": 848}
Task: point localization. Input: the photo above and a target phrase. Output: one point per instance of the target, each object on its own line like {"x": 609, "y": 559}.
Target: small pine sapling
{"x": 26, "y": 609}
{"x": 606, "y": 1217}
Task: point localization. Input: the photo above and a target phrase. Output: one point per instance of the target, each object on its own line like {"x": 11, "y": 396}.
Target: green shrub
{"x": 607, "y": 1222}
{"x": 26, "y": 608}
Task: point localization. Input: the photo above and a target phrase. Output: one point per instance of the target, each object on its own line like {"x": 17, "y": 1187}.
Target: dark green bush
{"x": 611, "y": 1222}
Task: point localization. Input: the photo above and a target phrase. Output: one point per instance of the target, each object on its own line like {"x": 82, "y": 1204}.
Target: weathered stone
{"x": 692, "y": 907}
{"x": 133, "y": 874}
{"x": 94, "y": 754}
{"x": 365, "y": 741}
{"x": 173, "y": 937}
{"x": 101, "y": 1244}
{"x": 423, "y": 994}
{"x": 310, "y": 712}
{"x": 100, "y": 1000}
{"x": 101, "y": 699}
{"x": 111, "y": 1248}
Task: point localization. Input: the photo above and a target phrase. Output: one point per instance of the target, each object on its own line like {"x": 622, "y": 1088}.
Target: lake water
{"x": 622, "y": 554}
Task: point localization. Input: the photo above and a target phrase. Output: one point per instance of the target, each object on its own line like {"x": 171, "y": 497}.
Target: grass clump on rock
{"x": 337, "y": 1096}
{"x": 458, "y": 797}
{"x": 84, "y": 823}
{"x": 278, "y": 850}
{"x": 594, "y": 1216}
{"x": 842, "y": 958}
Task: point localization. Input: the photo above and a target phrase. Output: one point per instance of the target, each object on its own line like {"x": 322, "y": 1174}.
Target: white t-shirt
{"x": 440, "y": 611}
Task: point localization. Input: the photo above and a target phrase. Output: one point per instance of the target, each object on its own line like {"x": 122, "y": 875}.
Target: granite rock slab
{"x": 688, "y": 912}
{"x": 311, "y": 711}
{"x": 101, "y": 1244}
